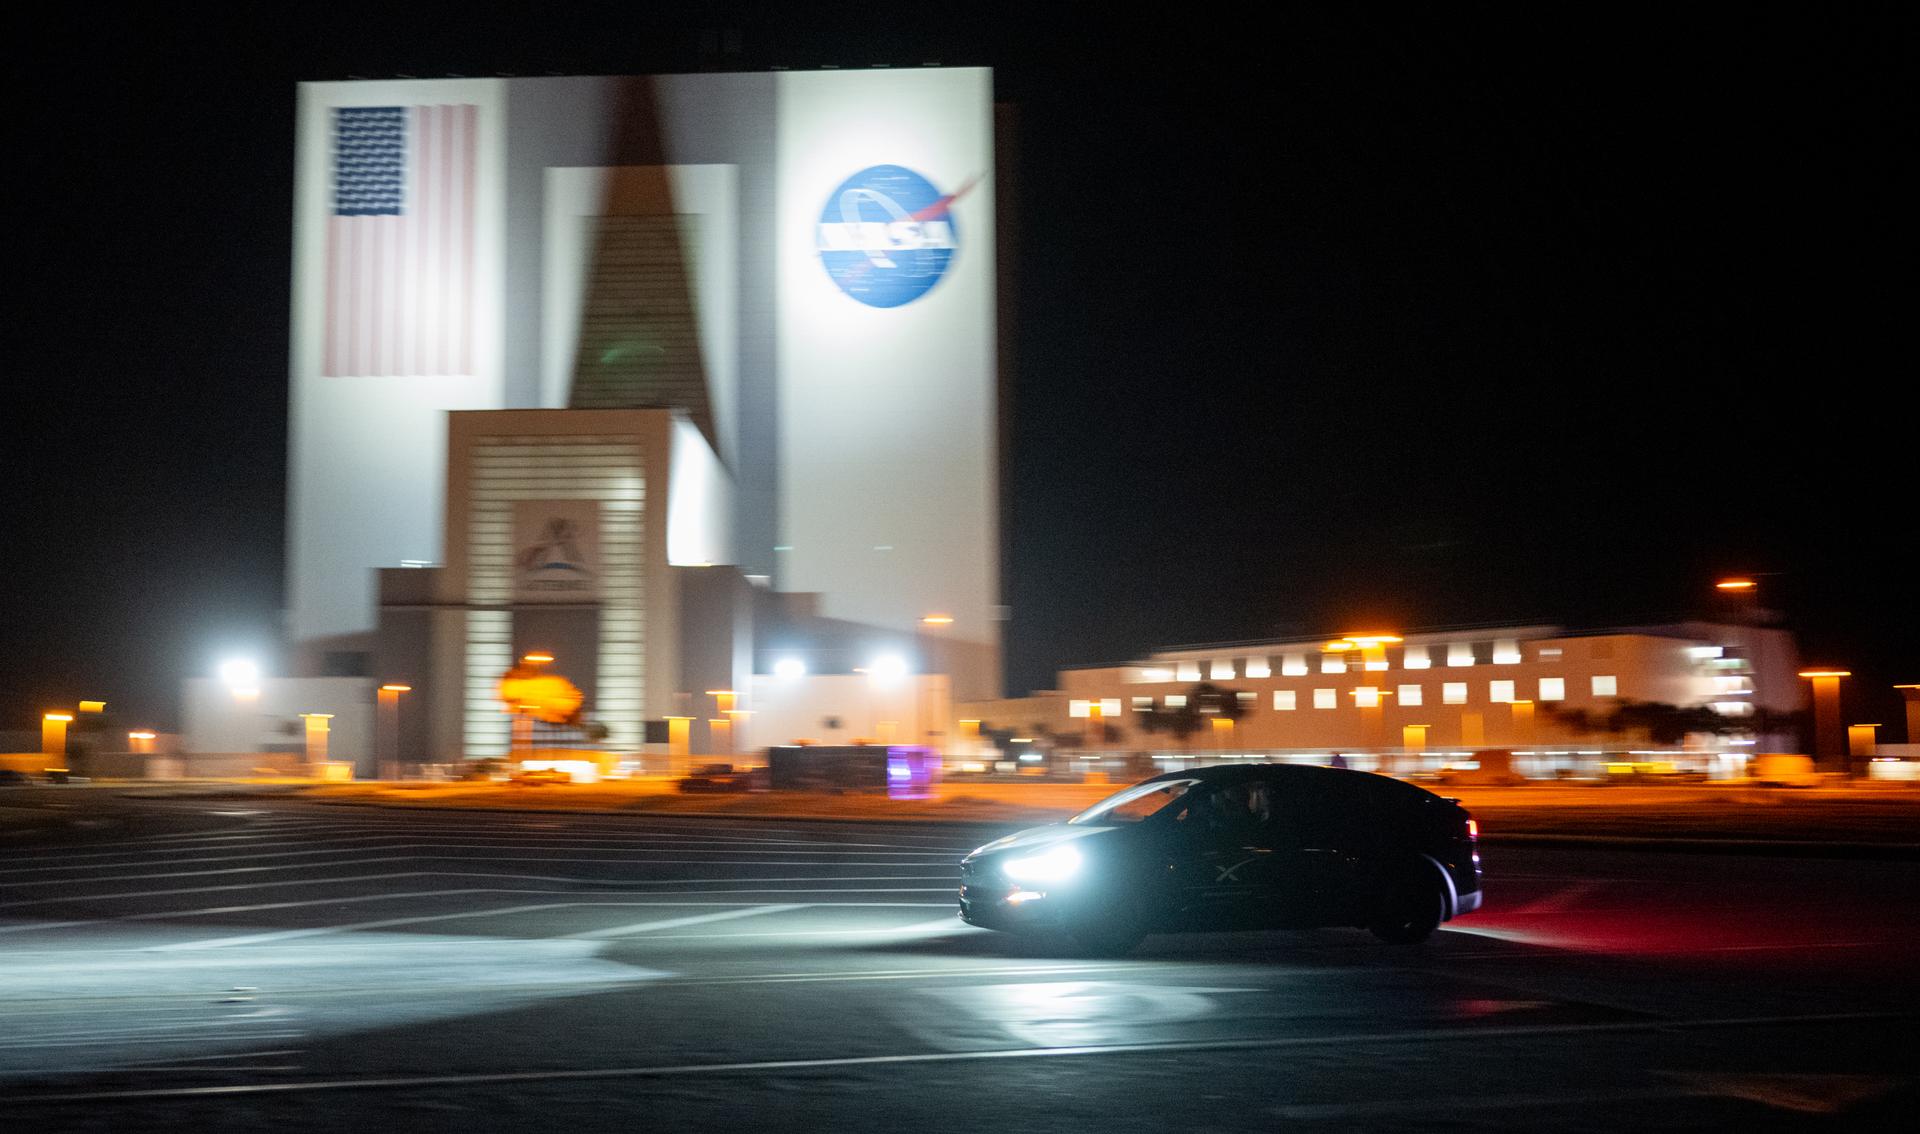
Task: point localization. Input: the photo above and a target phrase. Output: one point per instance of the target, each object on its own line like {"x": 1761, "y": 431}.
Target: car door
{"x": 1324, "y": 836}
{"x": 1229, "y": 865}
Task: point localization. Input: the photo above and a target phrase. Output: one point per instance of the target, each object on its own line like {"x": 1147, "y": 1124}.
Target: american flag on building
{"x": 400, "y": 241}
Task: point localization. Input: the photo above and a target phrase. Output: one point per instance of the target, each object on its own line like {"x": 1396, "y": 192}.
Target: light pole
{"x": 317, "y": 729}
{"x": 389, "y": 700}
{"x": 53, "y": 734}
{"x": 1860, "y": 743}
{"x": 1829, "y": 741}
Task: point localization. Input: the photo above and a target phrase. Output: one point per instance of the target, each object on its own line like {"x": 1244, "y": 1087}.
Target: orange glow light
{"x": 1736, "y": 584}
{"x": 938, "y": 620}
{"x": 396, "y": 688}
{"x": 93, "y": 706}
{"x": 59, "y": 716}
{"x": 140, "y": 736}
{"x": 537, "y": 658}
{"x": 1826, "y": 673}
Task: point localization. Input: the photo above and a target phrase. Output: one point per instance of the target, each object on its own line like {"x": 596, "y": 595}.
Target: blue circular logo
{"x": 887, "y": 235}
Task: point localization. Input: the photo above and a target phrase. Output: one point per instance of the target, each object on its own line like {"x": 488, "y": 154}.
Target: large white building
{"x": 800, "y": 267}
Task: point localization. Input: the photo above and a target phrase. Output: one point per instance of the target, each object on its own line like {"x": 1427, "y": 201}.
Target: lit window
{"x": 1109, "y": 706}
{"x": 1285, "y": 699}
{"x": 1156, "y": 674}
{"x": 1701, "y": 653}
{"x": 1553, "y": 689}
{"x": 1417, "y": 657}
{"x": 1409, "y": 695}
{"x": 1460, "y": 655}
{"x": 1176, "y": 700}
{"x": 1078, "y": 709}
{"x": 1143, "y": 704}
{"x": 1257, "y": 667}
{"x": 1454, "y": 692}
{"x": 1606, "y": 685}
{"x": 1189, "y": 671}
{"x": 1551, "y": 651}
{"x": 1325, "y": 699}
{"x": 1246, "y": 696}
{"x": 1506, "y": 651}
{"x": 1500, "y": 692}
{"x": 1293, "y": 665}
{"x": 1376, "y": 664}
{"x": 1367, "y": 697}
{"x": 1332, "y": 663}
{"x": 1220, "y": 671}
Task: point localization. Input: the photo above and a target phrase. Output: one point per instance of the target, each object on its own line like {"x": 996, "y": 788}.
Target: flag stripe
{"x": 400, "y": 242}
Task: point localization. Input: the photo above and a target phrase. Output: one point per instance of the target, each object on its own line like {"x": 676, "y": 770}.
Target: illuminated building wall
{"x": 1301, "y": 695}
{"x": 801, "y": 263}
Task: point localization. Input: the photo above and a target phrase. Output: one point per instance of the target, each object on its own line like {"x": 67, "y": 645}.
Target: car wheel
{"x": 1411, "y": 913}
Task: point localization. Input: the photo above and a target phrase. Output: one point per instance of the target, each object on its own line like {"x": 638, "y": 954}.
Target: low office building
{"x": 1534, "y": 687}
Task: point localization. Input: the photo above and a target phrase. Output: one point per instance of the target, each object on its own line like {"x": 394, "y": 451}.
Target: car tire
{"x": 1411, "y": 912}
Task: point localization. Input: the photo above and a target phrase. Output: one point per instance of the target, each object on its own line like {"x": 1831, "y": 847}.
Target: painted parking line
{"x": 522, "y": 848}
{"x": 227, "y": 871}
{"x": 556, "y": 879}
{"x": 679, "y": 922}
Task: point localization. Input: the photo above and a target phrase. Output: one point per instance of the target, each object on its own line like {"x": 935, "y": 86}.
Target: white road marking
{"x": 475, "y": 858}
{"x": 208, "y": 911}
{"x": 522, "y": 849}
{"x": 679, "y": 922}
{"x": 561, "y": 880}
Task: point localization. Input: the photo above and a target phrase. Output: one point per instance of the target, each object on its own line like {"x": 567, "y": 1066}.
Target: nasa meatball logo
{"x": 886, "y": 235}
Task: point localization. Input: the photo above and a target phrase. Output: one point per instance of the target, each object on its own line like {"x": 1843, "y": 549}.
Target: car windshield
{"x": 1136, "y": 803}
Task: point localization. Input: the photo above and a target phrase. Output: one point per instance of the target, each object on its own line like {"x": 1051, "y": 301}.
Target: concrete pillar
{"x": 1829, "y": 739}
{"x": 1912, "y": 695}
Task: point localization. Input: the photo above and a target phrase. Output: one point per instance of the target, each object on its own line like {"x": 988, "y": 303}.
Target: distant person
{"x": 1338, "y": 761}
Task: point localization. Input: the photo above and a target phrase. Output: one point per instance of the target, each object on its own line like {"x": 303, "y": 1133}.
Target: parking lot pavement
{"x": 492, "y": 968}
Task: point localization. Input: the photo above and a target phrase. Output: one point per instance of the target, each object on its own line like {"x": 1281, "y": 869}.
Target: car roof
{"x": 1301, "y": 775}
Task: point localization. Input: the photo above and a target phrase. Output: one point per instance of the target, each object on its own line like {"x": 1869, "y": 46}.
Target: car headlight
{"x": 1047, "y": 866}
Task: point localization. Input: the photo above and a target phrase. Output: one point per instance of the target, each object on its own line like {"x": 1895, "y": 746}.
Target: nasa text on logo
{"x": 887, "y": 235}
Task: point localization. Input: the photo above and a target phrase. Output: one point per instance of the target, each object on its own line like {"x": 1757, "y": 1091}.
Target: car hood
{"x": 1033, "y": 838}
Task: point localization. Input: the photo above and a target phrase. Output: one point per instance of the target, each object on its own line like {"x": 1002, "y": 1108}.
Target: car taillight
{"x": 1473, "y": 829}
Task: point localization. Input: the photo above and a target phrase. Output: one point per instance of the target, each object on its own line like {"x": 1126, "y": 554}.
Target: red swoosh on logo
{"x": 938, "y": 210}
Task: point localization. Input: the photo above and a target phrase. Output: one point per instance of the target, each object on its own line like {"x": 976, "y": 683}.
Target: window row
{"x": 1453, "y": 655}
{"x": 1364, "y": 696}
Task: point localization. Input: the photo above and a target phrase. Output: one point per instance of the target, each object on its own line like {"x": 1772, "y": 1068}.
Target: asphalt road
{"x": 313, "y": 967}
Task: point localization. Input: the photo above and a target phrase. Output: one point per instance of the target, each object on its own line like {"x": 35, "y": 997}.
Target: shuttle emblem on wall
{"x": 887, "y": 235}
{"x": 554, "y": 548}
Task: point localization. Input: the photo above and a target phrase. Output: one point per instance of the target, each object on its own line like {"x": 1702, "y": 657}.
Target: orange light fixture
{"x": 537, "y": 658}
{"x": 396, "y": 689}
{"x": 1826, "y": 673}
{"x": 59, "y": 716}
{"x": 1736, "y": 584}
{"x": 938, "y": 620}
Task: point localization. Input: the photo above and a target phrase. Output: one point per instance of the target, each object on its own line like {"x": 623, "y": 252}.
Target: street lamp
{"x": 1829, "y": 742}
{"x": 389, "y": 702}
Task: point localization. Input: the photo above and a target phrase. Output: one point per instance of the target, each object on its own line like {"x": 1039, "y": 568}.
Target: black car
{"x": 1236, "y": 846}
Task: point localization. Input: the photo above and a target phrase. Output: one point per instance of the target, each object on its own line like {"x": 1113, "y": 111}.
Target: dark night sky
{"x": 1477, "y": 315}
